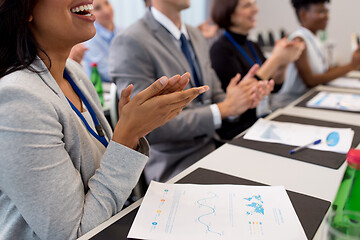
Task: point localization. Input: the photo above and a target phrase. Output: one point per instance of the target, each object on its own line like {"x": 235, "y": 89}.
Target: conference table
{"x": 266, "y": 168}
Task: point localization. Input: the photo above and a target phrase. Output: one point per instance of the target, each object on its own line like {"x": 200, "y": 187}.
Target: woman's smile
{"x": 84, "y": 11}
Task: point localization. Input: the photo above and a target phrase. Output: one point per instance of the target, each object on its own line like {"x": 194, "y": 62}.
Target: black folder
{"x": 323, "y": 158}
{"x": 310, "y": 210}
{"x": 305, "y": 100}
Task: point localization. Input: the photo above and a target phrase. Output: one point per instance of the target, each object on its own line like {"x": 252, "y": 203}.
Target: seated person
{"x": 234, "y": 53}
{"x": 96, "y": 50}
{"x": 311, "y": 68}
{"x": 161, "y": 44}
{"x": 63, "y": 171}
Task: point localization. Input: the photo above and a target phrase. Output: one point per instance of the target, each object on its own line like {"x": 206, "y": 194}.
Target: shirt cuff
{"x": 216, "y": 115}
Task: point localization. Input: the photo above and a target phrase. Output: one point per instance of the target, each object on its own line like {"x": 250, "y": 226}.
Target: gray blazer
{"x": 50, "y": 187}
{"x": 145, "y": 52}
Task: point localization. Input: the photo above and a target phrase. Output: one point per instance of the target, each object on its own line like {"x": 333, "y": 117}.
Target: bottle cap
{"x": 353, "y": 158}
{"x": 94, "y": 64}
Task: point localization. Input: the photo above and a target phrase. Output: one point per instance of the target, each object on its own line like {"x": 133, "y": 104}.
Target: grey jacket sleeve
{"x": 132, "y": 63}
{"x": 40, "y": 178}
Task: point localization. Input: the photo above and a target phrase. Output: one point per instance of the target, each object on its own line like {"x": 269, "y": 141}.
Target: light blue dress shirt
{"x": 98, "y": 51}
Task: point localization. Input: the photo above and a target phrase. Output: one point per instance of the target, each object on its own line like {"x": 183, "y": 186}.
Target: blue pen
{"x": 305, "y": 146}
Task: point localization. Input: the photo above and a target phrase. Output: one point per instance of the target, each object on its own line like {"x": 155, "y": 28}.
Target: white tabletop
{"x": 297, "y": 176}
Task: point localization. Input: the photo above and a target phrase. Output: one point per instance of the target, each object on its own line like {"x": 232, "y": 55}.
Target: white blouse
{"x": 294, "y": 86}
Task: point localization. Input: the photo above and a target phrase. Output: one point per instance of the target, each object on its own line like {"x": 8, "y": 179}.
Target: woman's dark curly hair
{"x": 18, "y": 48}
{"x": 299, "y": 4}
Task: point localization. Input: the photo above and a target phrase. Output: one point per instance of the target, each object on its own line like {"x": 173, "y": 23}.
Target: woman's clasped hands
{"x": 153, "y": 107}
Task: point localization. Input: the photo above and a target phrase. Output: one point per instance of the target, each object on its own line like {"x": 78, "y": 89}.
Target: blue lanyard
{"x": 242, "y": 51}
{"x": 100, "y": 134}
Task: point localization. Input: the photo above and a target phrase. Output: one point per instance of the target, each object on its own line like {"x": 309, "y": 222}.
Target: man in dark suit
{"x": 161, "y": 44}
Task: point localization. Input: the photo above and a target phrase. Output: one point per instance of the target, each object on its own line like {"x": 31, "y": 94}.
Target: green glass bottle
{"x": 348, "y": 195}
{"x": 96, "y": 80}
{"x": 346, "y": 207}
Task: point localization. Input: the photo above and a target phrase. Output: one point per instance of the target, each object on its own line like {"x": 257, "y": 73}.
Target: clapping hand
{"x": 287, "y": 51}
{"x": 151, "y": 108}
{"x": 264, "y": 88}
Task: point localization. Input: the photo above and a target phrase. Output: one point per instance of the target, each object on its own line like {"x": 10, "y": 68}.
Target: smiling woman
{"x": 234, "y": 53}
{"x": 63, "y": 171}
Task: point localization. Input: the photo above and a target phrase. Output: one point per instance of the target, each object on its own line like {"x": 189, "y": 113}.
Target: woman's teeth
{"x": 83, "y": 10}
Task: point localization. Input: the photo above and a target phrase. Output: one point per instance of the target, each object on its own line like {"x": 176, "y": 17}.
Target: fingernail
{"x": 164, "y": 80}
{"x": 203, "y": 89}
{"x": 187, "y": 73}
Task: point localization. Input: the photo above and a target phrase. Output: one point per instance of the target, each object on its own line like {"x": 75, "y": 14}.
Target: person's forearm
{"x": 124, "y": 137}
{"x": 279, "y": 75}
{"x": 268, "y": 68}
{"x": 227, "y": 110}
{"x": 224, "y": 110}
{"x": 331, "y": 74}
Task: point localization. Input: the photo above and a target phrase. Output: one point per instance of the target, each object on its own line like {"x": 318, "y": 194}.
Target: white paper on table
{"x": 209, "y": 212}
{"x": 345, "y": 82}
{"x": 341, "y": 101}
{"x": 299, "y": 135}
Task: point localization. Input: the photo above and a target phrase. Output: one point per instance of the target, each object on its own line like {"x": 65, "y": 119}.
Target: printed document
{"x": 340, "y": 101}
{"x": 214, "y": 212}
{"x": 332, "y": 139}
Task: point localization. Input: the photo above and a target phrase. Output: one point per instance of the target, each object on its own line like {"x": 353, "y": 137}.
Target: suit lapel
{"x": 167, "y": 40}
{"x": 45, "y": 76}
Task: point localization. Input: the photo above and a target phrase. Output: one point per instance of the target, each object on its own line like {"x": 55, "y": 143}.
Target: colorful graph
{"x": 203, "y": 219}
{"x": 256, "y": 205}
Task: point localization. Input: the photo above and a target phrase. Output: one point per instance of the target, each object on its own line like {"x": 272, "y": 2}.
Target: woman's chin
{"x": 89, "y": 35}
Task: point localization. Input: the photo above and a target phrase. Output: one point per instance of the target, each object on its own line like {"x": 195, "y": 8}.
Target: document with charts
{"x": 340, "y": 101}
{"x": 207, "y": 212}
{"x": 295, "y": 134}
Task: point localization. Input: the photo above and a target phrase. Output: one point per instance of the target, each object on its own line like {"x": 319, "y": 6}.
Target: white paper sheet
{"x": 207, "y": 212}
{"x": 345, "y": 82}
{"x": 341, "y": 101}
{"x": 300, "y": 134}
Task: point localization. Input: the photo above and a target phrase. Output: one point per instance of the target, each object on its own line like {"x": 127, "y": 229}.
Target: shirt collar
{"x": 169, "y": 25}
{"x": 103, "y": 32}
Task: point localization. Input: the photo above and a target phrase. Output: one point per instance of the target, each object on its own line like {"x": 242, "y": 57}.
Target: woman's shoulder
{"x": 299, "y": 33}
{"x": 222, "y": 46}
{"x": 25, "y": 99}
{"x": 222, "y": 42}
{"x": 20, "y": 79}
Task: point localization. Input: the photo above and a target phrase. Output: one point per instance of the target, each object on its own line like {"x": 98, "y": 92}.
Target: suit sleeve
{"x": 39, "y": 176}
{"x": 131, "y": 63}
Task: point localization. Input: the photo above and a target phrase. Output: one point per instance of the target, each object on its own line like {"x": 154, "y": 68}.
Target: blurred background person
{"x": 234, "y": 53}
{"x": 160, "y": 44}
{"x": 311, "y": 68}
{"x": 96, "y": 50}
